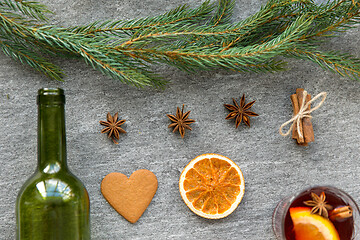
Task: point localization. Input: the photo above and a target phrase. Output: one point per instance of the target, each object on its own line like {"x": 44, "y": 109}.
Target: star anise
{"x": 180, "y": 121}
{"x": 240, "y": 112}
{"x": 112, "y": 127}
{"x": 319, "y": 204}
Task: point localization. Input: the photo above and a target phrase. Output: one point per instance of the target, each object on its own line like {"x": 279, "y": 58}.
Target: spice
{"x": 180, "y": 121}
{"x": 319, "y": 204}
{"x": 306, "y": 127}
{"x": 112, "y": 127}
{"x": 341, "y": 213}
{"x": 301, "y": 125}
{"x": 240, "y": 112}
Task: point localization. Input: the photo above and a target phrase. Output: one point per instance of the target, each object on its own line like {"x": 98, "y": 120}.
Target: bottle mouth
{"x": 51, "y": 96}
{"x": 51, "y": 91}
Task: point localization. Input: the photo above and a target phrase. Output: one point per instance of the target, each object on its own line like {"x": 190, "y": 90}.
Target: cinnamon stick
{"x": 299, "y": 95}
{"x": 302, "y": 128}
{"x": 340, "y": 213}
{"x": 295, "y": 105}
{"x": 307, "y": 125}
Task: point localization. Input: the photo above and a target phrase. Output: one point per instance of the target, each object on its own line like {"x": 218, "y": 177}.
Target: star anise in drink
{"x": 240, "y": 112}
{"x": 319, "y": 204}
{"x": 180, "y": 121}
{"x": 112, "y": 127}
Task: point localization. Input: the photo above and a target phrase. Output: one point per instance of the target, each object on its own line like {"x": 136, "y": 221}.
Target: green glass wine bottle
{"x": 53, "y": 204}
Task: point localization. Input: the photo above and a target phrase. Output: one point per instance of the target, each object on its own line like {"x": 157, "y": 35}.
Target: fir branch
{"x": 118, "y": 70}
{"x": 21, "y": 52}
{"x": 180, "y": 16}
{"x": 237, "y": 59}
{"x": 31, "y": 9}
{"x": 261, "y": 26}
{"x": 224, "y": 33}
{"x": 84, "y": 47}
{"x": 223, "y": 12}
{"x": 271, "y": 21}
{"x": 190, "y": 39}
{"x": 195, "y": 34}
{"x": 115, "y": 66}
{"x": 252, "y": 24}
{"x": 336, "y": 17}
{"x": 343, "y": 64}
{"x": 333, "y": 16}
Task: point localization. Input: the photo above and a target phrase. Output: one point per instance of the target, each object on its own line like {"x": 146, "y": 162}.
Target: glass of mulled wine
{"x": 321, "y": 212}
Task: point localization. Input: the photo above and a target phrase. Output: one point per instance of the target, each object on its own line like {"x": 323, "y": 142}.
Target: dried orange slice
{"x": 212, "y": 186}
{"x": 312, "y": 226}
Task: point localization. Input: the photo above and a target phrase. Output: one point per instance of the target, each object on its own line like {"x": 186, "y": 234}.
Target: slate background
{"x": 273, "y": 166}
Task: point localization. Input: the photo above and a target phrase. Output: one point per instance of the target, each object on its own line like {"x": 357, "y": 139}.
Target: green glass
{"x": 52, "y": 204}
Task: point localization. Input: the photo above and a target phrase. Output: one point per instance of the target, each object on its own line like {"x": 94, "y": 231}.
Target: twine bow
{"x": 302, "y": 113}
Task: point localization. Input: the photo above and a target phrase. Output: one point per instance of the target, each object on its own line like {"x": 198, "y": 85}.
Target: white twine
{"x": 302, "y": 113}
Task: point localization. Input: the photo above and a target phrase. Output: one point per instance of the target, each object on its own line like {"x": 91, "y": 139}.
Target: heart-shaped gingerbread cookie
{"x": 130, "y": 196}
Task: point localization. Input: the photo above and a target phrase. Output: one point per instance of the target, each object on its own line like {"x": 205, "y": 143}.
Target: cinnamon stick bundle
{"x": 305, "y": 126}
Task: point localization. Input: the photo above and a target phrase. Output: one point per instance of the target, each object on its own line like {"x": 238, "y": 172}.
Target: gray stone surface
{"x": 273, "y": 166}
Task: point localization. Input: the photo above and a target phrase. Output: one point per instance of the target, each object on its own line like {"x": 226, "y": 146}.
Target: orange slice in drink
{"x": 312, "y": 226}
{"x": 212, "y": 186}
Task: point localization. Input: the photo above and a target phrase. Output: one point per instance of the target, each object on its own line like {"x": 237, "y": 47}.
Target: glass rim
{"x": 51, "y": 91}
{"x": 51, "y": 96}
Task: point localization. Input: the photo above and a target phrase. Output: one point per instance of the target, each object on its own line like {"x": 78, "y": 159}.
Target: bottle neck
{"x": 51, "y": 138}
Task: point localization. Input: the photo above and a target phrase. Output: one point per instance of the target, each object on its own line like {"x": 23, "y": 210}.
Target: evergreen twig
{"x": 21, "y": 52}
{"x": 223, "y": 12}
{"x": 235, "y": 58}
{"x": 179, "y": 16}
{"x": 201, "y": 38}
{"x": 29, "y": 8}
{"x": 343, "y": 64}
